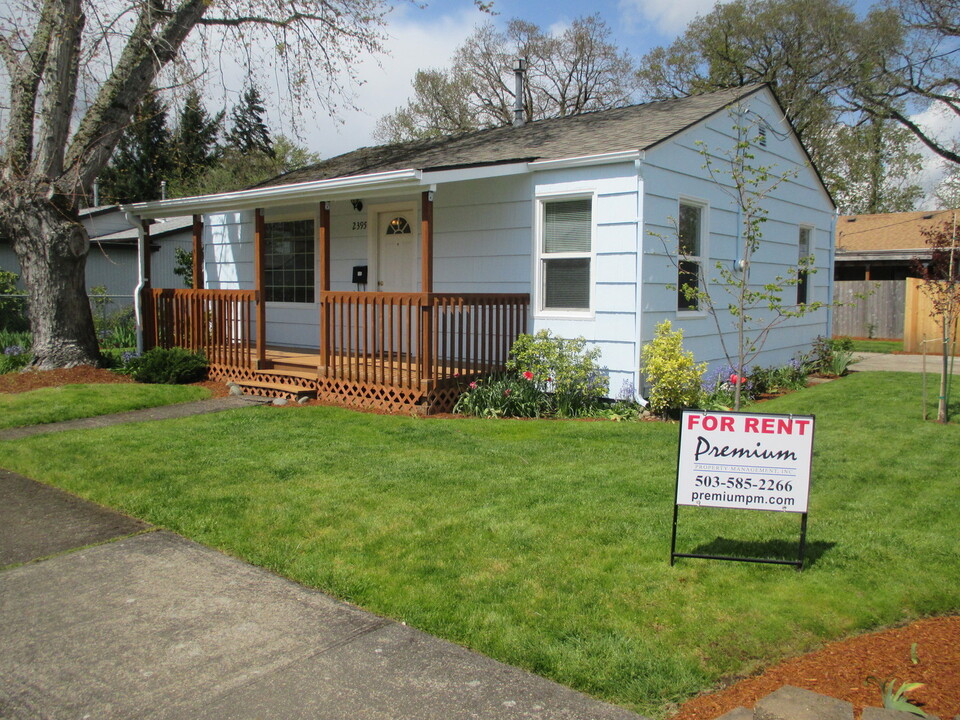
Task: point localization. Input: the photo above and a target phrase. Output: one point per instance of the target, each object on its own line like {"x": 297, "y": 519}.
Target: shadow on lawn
{"x": 766, "y": 550}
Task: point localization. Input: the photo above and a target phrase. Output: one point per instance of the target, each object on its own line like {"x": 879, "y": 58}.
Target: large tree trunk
{"x": 52, "y": 246}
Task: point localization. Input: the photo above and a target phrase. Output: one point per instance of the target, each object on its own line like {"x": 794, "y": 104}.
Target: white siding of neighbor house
{"x": 115, "y": 266}
{"x": 674, "y": 171}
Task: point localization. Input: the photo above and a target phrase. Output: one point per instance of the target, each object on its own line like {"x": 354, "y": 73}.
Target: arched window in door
{"x": 398, "y": 226}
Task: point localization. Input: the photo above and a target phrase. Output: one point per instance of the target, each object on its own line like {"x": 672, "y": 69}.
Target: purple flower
{"x": 13, "y": 350}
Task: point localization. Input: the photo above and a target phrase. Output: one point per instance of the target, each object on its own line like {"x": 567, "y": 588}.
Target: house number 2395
{"x": 360, "y": 225}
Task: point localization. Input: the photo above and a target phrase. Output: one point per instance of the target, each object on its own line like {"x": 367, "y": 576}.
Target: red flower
{"x": 528, "y": 375}
{"x": 507, "y": 392}
{"x": 472, "y": 386}
{"x": 737, "y": 379}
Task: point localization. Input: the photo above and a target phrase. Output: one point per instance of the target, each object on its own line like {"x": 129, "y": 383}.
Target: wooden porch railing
{"x": 411, "y": 339}
{"x": 218, "y": 322}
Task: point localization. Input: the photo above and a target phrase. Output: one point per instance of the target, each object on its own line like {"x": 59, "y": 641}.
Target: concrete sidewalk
{"x": 867, "y": 361}
{"x": 152, "y": 625}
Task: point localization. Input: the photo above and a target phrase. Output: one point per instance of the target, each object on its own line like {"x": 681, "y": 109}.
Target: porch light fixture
{"x": 357, "y": 204}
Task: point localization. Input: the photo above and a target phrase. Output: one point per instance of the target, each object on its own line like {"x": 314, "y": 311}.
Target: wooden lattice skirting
{"x": 348, "y": 393}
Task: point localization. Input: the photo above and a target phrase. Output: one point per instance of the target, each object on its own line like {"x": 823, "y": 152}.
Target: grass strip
{"x": 70, "y": 402}
{"x": 545, "y": 544}
{"x": 878, "y": 346}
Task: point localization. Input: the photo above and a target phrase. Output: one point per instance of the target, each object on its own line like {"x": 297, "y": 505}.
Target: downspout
{"x": 830, "y": 268}
{"x": 638, "y": 291}
{"x": 141, "y": 276}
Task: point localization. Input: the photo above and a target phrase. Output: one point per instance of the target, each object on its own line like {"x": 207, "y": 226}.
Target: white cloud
{"x": 416, "y": 42}
{"x": 669, "y": 17}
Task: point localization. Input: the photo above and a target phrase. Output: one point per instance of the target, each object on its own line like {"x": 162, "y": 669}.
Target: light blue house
{"x": 388, "y": 275}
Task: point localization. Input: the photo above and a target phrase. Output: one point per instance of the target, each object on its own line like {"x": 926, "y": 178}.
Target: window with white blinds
{"x": 566, "y": 254}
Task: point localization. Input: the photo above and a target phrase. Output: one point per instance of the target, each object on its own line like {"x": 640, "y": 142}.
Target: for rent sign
{"x": 744, "y": 460}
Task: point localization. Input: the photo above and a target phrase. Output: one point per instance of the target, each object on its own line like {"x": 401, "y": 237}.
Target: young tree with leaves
{"x": 728, "y": 293}
{"x": 54, "y": 148}
{"x": 236, "y": 171}
{"x": 577, "y": 71}
{"x": 941, "y": 283}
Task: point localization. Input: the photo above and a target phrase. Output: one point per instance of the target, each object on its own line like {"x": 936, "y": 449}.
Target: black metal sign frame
{"x": 798, "y": 563}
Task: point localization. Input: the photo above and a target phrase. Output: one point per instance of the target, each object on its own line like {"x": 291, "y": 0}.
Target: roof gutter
{"x": 631, "y": 156}
{"x": 277, "y": 195}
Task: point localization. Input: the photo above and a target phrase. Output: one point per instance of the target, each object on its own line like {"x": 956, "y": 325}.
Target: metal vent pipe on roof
{"x": 519, "y": 68}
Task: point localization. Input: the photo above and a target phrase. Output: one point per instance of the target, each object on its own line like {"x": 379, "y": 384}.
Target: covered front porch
{"x": 393, "y": 351}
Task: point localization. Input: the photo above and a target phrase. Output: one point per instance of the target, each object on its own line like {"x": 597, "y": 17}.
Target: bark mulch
{"x": 841, "y": 670}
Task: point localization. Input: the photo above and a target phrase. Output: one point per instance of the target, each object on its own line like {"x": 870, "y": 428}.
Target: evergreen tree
{"x": 249, "y": 133}
{"x": 195, "y": 141}
{"x": 142, "y": 158}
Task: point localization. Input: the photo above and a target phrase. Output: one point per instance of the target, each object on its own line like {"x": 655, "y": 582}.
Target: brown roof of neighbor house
{"x": 636, "y": 127}
{"x": 889, "y": 231}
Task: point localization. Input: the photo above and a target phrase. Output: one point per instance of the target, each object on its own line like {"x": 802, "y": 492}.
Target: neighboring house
{"x": 884, "y": 246}
{"x": 112, "y": 262}
{"x": 875, "y": 255}
{"x": 390, "y": 276}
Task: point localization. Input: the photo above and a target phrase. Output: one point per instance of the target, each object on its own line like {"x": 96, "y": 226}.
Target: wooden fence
{"x": 919, "y": 326}
{"x": 869, "y": 308}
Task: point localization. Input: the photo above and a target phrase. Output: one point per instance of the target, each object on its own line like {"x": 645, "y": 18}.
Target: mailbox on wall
{"x": 360, "y": 274}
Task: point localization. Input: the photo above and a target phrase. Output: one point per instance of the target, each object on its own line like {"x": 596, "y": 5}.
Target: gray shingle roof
{"x": 636, "y": 127}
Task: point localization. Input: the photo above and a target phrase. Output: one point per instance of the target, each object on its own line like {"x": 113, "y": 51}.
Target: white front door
{"x": 396, "y": 251}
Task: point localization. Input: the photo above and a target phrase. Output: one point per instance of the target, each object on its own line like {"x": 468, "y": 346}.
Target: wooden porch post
{"x": 259, "y": 283}
{"x": 426, "y": 286}
{"x": 324, "y": 252}
{"x": 197, "y": 252}
{"x": 147, "y": 305}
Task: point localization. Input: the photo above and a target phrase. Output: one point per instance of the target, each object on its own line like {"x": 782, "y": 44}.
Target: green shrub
{"x": 564, "y": 368}
{"x": 169, "y": 366}
{"x": 671, "y": 372}
{"x": 832, "y": 356}
{"x": 504, "y": 395}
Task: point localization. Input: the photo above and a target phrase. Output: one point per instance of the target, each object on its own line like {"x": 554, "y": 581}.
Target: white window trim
{"x": 295, "y": 216}
{"x": 539, "y": 256}
{"x": 703, "y": 258}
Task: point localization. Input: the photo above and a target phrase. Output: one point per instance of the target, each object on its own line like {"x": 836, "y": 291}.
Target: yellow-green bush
{"x": 672, "y": 374}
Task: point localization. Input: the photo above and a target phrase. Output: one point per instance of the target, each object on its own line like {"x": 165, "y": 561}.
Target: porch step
{"x": 302, "y": 373}
{"x": 276, "y": 389}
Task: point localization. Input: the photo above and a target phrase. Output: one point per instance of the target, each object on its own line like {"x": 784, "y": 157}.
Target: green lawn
{"x": 878, "y": 346}
{"x": 546, "y": 543}
{"x": 69, "y": 402}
